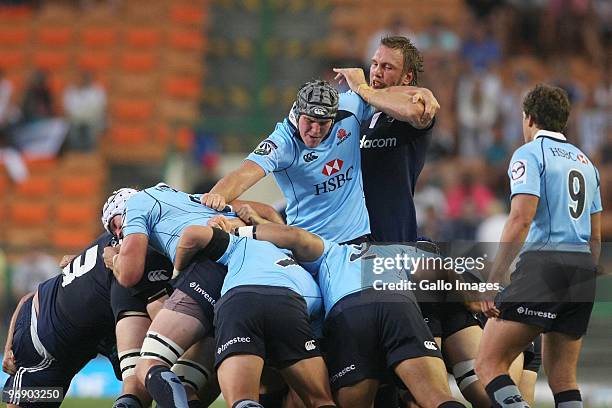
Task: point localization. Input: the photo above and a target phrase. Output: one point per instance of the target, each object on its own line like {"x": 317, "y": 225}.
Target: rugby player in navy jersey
{"x": 314, "y": 154}
{"x": 392, "y": 155}
{"x": 56, "y": 330}
{"x": 555, "y": 225}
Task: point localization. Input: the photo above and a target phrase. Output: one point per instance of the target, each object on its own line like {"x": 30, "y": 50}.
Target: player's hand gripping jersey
{"x": 322, "y": 185}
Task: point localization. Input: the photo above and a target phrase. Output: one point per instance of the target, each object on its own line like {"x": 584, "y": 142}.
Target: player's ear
{"x": 407, "y": 78}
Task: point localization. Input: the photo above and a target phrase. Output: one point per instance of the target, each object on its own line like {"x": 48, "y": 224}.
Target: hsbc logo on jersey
{"x": 582, "y": 159}
{"x": 332, "y": 167}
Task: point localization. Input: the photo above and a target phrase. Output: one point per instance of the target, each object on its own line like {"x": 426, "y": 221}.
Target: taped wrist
{"x": 248, "y": 231}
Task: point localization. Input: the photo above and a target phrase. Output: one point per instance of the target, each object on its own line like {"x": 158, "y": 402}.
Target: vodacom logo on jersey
{"x": 332, "y": 167}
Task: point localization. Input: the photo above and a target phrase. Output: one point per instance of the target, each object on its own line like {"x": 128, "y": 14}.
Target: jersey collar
{"x": 548, "y": 133}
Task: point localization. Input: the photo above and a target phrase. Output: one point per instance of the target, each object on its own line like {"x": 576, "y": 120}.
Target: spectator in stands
{"x": 510, "y": 107}
{"x": 592, "y": 123}
{"x": 523, "y": 33}
{"x": 37, "y": 100}
{"x": 85, "y": 107}
{"x": 9, "y": 156}
{"x": 6, "y": 92}
{"x": 467, "y": 205}
{"x": 438, "y": 38}
{"x": 572, "y": 28}
{"x": 480, "y": 50}
{"x": 33, "y": 268}
{"x": 478, "y": 97}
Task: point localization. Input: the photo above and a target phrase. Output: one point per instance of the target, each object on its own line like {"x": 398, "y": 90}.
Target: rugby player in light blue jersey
{"x": 554, "y": 223}
{"x": 264, "y": 316}
{"x": 314, "y": 154}
{"x": 369, "y": 333}
{"x": 156, "y": 216}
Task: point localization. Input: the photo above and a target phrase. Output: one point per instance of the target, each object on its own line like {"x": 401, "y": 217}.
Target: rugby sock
{"x": 504, "y": 393}
{"x": 247, "y": 404}
{"x": 568, "y": 399}
{"x": 127, "y": 401}
{"x": 196, "y": 404}
{"x": 451, "y": 404}
{"x": 273, "y": 399}
{"x": 165, "y": 388}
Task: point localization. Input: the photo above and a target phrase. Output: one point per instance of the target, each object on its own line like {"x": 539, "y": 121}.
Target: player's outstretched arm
{"x": 595, "y": 241}
{"x": 233, "y": 185}
{"x": 306, "y": 247}
{"x": 414, "y": 105}
{"x": 8, "y": 361}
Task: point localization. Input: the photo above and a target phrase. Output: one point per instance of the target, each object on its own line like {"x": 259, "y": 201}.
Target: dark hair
{"x": 413, "y": 60}
{"x": 548, "y": 106}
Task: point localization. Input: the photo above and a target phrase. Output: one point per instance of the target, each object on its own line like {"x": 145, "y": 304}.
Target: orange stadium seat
{"x": 95, "y": 61}
{"x": 129, "y": 135}
{"x": 190, "y": 40}
{"x": 142, "y": 62}
{"x": 55, "y": 37}
{"x": 182, "y": 87}
{"x": 12, "y": 60}
{"x": 187, "y": 14}
{"x": 10, "y": 14}
{"x": 130, "y": 109}
{"x": 71, "y": 238}
{"x": 76, "y": 213}
{"x": 36, "y": 186}
{"x": 14, "y": 37}
{"x": 99, "y": 37}
{"x": 78, "y": 185}
{"x": 51, "y": 60}
{"x": 142, "y": 38}
{"x": 29, "y": 213}
{"x": 38, "y": 165}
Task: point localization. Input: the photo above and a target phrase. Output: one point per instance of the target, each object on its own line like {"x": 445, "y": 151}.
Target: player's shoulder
{"x": 531, "y": 149}
{"x": 350, "y": 101}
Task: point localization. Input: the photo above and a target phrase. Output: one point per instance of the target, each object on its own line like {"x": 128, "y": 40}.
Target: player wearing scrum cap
{"x": 314, "y": 154}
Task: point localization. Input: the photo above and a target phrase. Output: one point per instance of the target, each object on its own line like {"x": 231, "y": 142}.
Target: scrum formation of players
{"x": 212, "y": 294}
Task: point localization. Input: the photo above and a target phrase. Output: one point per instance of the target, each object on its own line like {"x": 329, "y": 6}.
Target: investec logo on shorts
{"x": 230, "y": 342}
{"x": 198, "y": 289}
{"x": 377, "y": 143}
{"x": 342, "y": 373}
{"x": 339, "y": 179}
{"x": 528, "y": 312}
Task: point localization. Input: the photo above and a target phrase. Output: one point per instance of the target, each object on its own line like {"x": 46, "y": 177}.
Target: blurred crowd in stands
{"x": 39, "y": 126}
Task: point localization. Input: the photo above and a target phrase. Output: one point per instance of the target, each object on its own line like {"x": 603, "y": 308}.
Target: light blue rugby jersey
{"x": 162, "y": 213}
{"x": 345, "y": 269}
{"x": 568, "y": 186}
{"x": 252, "y": 262}
{"x": 322, "y": 185}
